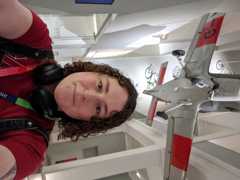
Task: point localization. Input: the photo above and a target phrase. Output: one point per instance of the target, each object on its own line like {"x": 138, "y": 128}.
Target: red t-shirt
{"x": 28, "y": 147}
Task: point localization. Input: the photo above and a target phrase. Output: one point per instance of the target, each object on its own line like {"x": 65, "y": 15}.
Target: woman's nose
{"x": 93, "y": 95}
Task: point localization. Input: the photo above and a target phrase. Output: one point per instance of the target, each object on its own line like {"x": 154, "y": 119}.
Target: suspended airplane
{"x": 194, "y": 90}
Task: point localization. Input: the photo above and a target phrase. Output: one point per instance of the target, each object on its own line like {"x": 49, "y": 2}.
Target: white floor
{"x": 231, "y": 143}
{"x": 203, "y": 165}
{"x": 231, "y": 120}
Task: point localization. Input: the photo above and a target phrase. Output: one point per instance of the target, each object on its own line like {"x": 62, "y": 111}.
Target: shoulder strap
{"x": 15, "y": 48}
{"x": 11, "y": 124}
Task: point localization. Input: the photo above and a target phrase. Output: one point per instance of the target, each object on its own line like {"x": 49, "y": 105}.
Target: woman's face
{"x": 83, "y": 95}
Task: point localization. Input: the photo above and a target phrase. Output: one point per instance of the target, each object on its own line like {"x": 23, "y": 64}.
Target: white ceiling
{"x": 138, "y": 18}
{"x": 119, "y": 6}
{"x": 123, "y": 38}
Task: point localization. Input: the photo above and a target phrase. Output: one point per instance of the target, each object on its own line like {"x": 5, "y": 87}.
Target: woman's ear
{"x": 44, "y": 103}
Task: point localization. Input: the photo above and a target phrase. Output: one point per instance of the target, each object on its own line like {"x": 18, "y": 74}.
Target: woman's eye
{"x": 99, "y": 85}
{"x": 98, "y": 109}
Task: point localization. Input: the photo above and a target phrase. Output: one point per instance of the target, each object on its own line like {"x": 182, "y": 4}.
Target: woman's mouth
{"x": 74, "y": 93}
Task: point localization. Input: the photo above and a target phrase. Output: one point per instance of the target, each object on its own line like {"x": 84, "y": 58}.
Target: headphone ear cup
{"x": 44, "y": 103}
{"x": 47, "y": 74}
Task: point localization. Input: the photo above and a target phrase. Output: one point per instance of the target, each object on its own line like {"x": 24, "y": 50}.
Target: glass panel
{"x": 90, "y": 152}
{"x": 124, "y": 176}
{"x": 225, "y": 64}
{"x": 140, "y": 174}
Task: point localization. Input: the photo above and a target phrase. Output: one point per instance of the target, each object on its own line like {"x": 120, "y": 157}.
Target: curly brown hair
{"x": 75, "y": 128}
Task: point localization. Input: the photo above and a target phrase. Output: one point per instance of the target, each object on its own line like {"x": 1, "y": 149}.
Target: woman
{"x": 105, "y": 97}
{"x": 87, "y": 98}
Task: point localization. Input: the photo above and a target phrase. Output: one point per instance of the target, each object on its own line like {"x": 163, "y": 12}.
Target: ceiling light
{"x": 68, "y": 41}
{"x": 163, "y": 36}
{"x": 35, "y": 177}
{"x": 138, "y": 175}
{"x": 95, "y": 24}
{"x": 147, "y": 40}
{"x": 108, "y": 53}
{"x": 91, "y": 54}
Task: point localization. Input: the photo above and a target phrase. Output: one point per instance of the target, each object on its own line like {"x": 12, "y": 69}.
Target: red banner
{"x": 152, "y": 109}
{"x": 181, "y": 149}
{"x": 210, "y": 32}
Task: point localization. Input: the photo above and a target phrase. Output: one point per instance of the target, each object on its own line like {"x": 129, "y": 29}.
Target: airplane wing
{"x": 183, "y": 98}
{"x": 200, "y": 52}
{"x": 186, "y": 94}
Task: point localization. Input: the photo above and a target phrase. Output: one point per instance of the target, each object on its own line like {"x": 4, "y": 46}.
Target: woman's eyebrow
{"x": 107, "y": 86}
{"x": 106, "y": 91}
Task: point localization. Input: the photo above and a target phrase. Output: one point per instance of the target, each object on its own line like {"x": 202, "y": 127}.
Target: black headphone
{"x": 41, "y": 99}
